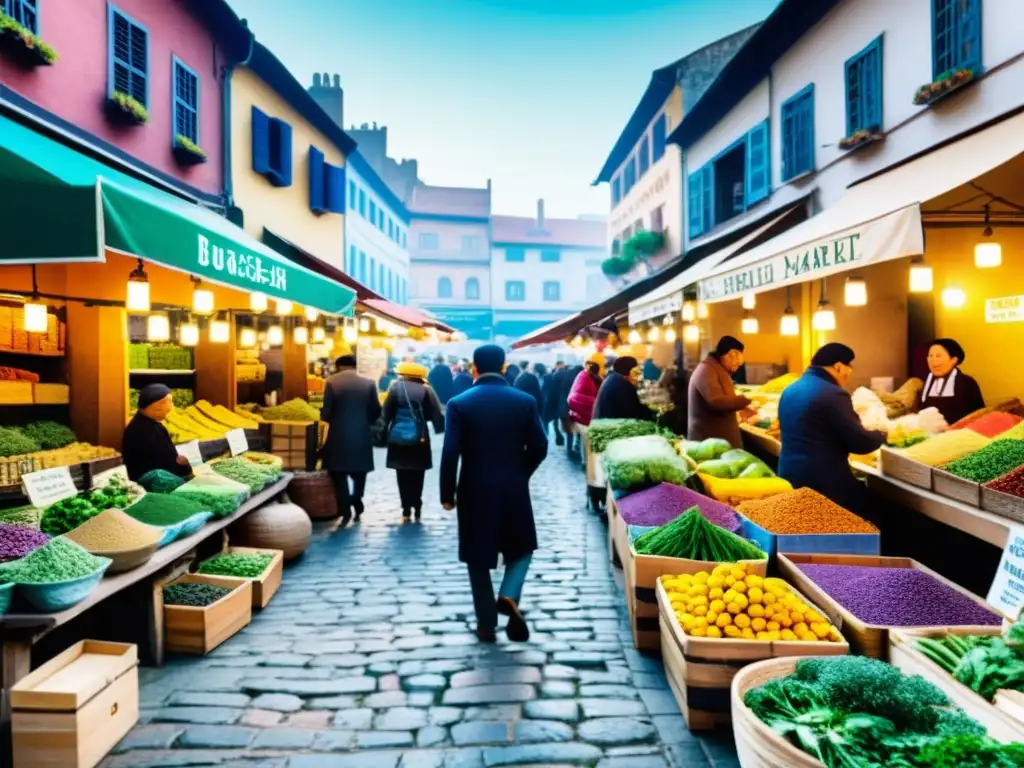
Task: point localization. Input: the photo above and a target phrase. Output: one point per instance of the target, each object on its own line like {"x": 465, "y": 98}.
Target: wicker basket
{"x": 281, "y": 526}
{"x": 314, "y": 492}
{"x": 757, "y": 746}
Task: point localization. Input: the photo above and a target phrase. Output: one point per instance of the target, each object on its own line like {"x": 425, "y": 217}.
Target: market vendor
{"x": 146, "y": 444}
{"x": 713, "y": 402}
{"x": 947, "y": 388}
{"x": 820, "y": 430}
{"x": 617, "y": 397}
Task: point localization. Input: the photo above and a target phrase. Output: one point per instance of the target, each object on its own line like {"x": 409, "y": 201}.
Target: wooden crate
{"x": 51, "y": 394}
{"x": 15, "y": 392}
{"x": 832, "y": 543}
{"x": 618, "y": 532}
{"x": 595, "y": 469}
{"x": 190, "y": 629}
{"x": 1011, "y": 704}
{"x": 953, "y": 487}
{"x": 1003, "y": 504}
{"x": 899, "y": 467}
{"x": 905, "y": 656}
{"x": 700, "y": 669}
{"x": 267, "y": 583}
{"x": 74, "y": 709}
{"x": 867, "y": 639}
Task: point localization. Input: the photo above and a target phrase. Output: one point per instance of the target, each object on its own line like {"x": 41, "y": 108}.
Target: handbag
{"x": 408, "y": 427}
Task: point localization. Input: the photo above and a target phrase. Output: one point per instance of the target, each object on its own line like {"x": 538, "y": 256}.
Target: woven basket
{"x": 757, "y": 746}
{"x": 283, "y": 526}
{"x": 314, "y": 492}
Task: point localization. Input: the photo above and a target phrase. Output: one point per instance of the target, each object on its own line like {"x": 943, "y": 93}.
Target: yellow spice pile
{"x": 946, "y": 447}
{"x": 114, "y": 531}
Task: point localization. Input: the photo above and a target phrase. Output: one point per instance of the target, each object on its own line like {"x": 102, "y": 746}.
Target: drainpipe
{"x": 229, "y": 191}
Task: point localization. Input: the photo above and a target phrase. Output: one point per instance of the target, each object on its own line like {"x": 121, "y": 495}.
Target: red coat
{"x": 582, "y": 397}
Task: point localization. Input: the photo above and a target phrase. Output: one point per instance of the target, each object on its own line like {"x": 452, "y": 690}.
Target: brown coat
{"x": 713, "y": 404}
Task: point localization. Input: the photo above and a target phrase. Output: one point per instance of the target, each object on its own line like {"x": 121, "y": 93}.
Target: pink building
{"x": 171, "y": 57}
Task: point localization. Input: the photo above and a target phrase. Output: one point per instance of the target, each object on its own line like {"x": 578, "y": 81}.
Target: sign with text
{"x": 48, "y": 486}
{"x": 1008, "y": 309}
{"x": 371, "y": 362}
{"x": 190, "y": 451}
{"x": 1006, "y": 594}
{"x": 237, "y": 441}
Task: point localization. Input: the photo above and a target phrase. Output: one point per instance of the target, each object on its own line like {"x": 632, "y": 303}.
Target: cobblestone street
{"x": 365, "y": 658}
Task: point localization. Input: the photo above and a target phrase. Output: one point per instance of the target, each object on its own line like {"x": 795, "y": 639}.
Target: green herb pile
{"x": 255, "y": 476}
{"x": 59, "y": 560}
{"x": 220, "y": 504}
{"x": 164, "y": 509}
{"x": 26, "y": 515}
{"x": 161, "y": 481}
{"x": 138, "y": 355}
{"x": 181, "y": 398}
{"x": 603, "y": 431}
{"x": 242, "y": 566}
{"x": 49, "y": 434}
{"x": 984, "y": 663}
{"x": 994, "y": 460}
{"x": 292, "y": 410}
{"x": 170, "y": 357}
{"x": 856, "y": 712}
{"x": 691, "y": 536}
{"x": 637, "y": 462}
{"x": 68, "y": 514}
{"x": 194, "y": 595}
{"x": 14, "y": 442}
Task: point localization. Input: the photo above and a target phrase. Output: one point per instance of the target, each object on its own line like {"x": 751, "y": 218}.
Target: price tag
{"x": 237, "y": 442}
{"x": 190, "y": 451}
{"x": 1007, "y": 592}
{"x": 48, "y": 486}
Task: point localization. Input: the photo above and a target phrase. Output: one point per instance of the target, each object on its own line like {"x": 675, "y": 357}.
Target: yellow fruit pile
{"x": 727, "y": 602}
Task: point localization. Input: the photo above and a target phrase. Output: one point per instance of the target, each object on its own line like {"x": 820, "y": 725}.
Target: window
{"x": 373, "y": 212}
{"x": 362, "y": 203}
{"x": 728, "y": 171}
{"x": 657, "y": 219}
{"x": 373, "y": 274}
{"x": 362, "y": 267}
{"x": 326, "y": 184}
{"x": 552, "y": 291}
{"x": 658, "y": 133}
{"x": 444, "y": 288}
{"x": 864, "y": 90}
{"x": 615, "y": 247}
{"x": 700, "y": 200}
{"x": 757, "y": 175}
{"x": 515, "y": 254}
{"x": 616, "y": 190}
{"x": 473, "y": 289}
{"x": 428, "y": 241}
{"x": 186, "y": 103}
{"x": 628, "y": 175}
{"x": 272, "y": 148}
{"x": 956, "y": 36}
{"x": 391, "y": 229}
{"x": 352, "y": 260}
{"x": 381, "y": 286}
{"x": 470, "y": 244}
{"x": 798, "y": 134}
{"x": 550, "y": 256}
{"x": 403, "y": 240}
{"x": 22, "y": 11}
{"x": 638, "y": 225}
{"x": 391, "y": 285}
{"x": 644, "y": 156}
{"x": 128, "y": 57}
{"x": 515, "y": 290}
{"x": 380, "y": 219}
{"x": 353, "y": 200}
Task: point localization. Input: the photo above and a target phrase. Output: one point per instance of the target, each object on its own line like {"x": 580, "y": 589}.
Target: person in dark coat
{"x": 565, "y": 382}
{"x": 512, "y": 373}
{"x": 820, "y": 429}
{"x": 617, "y": 398}
{"x": 441, "y": 380}
{"x": 948, "y": 388}
{"x": 146, "y": 444}
{"x": 351, "y": 406}
{"x": 494, "y": 430}
{"x": 463, "y": 380}
{"x": 549, "y": 390}
{"x": 411, "y": 397}
{"x": 529, "y": 382}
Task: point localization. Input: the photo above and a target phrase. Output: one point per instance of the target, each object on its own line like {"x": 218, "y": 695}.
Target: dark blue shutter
{"x": 644, "y": 156}
{"x": 798, "y": 134}
{"x": 260, "y": 142}
{"x": 186, "y": 102}
{"x": 334, "y": 192}
{"x": 708, "y": 190}
{"x": 316, "y": 180}
{"x": 968, "y": 35}
{"x": 24, "y": 12}
{"x": 658, "y": 138}
{"x": 284, "y": 159}
{"x": 871, "y": 86}
{"x": 758, "y": 170}
{"x": 695, "y": 203}
{"x": 943, "y": 36}
{"x": 129, "y": 57}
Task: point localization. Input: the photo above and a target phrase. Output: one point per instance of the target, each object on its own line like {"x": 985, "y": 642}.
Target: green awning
{"x": 62, "y": 206}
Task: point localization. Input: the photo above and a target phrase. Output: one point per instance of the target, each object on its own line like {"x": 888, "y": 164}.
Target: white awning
{"x": 873, "y": 222}
{"x": 668, "y": 297}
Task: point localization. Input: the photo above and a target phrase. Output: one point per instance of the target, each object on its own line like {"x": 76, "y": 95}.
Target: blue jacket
{"x": 618, "y": 399}
{"x": 440, "y": 379}
{"x": 462, "y": 382}
{"x": 529, "y": 383}
{"x": 820, "y": 430}
{"x": 495, "y": 431}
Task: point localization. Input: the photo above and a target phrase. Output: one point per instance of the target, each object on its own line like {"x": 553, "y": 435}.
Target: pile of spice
{"x": 664, "y": 502}
{"x": 58, "y": 560}
{"x": 164, "y": 509}
{"x": 898, "y": 597}
{"x": 114, "y": 531}
{"x": 220, "y": 504}
{"x": 994, "y": 424}
{"x": 692, "y": 537}
{"x": 193, "y": 595}
{"x": 241, "y": 566}
{"x": 18, "y": 540}
{"x": 803, "y": 511}
{"x": 994, "y": 460}
{"x": 1011, "y": 483}
{"x": 161, "y": 481}
{"x": 946, "y": 447}
{"x": 255, "y": 476}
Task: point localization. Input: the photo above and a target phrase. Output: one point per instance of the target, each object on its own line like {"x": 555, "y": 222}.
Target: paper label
{"x": 1007, "y": 592}
{"x": 48, "y": 486}
{"x": 190, "y": 451}
{"x": 237, "y": 442}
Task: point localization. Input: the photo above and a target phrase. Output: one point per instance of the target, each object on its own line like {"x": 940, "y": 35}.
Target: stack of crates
{"x": 296, "y": 442}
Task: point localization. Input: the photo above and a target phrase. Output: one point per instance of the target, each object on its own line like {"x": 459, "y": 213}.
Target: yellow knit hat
{"x": 409, "y": 368}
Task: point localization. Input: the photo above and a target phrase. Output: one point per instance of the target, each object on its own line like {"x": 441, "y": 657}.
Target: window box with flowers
{"x": 860, "y": 138}
{"x": 187, "y": 152}
{"x": 124, "y": 109}
{"x": 943, "y": 85}
{"x": 24, "y": 46}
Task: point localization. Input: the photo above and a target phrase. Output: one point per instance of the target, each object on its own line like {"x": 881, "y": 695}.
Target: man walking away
{"x": 440, "y": 378}
{"x": 495, "y": 431}
{"x": 512, "y": 373}
{"x": 462, "y": 381}
{"x": 529, "y": 382}
{"x": 351, "y": 407}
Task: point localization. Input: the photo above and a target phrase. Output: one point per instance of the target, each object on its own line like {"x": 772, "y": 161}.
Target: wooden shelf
{"x": 161, "y": 371}
{"x": 26, "y": 353}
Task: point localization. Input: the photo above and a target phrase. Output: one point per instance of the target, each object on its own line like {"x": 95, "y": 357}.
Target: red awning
{"x": 406, "y": 315}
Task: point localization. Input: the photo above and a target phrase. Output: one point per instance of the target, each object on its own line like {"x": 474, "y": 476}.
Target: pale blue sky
{"x": 531, "y": 93}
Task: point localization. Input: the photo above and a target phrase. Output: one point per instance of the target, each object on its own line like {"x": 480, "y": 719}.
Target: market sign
{"x": 893, "y": 236}
{"x": 657, "y": 308}
{"x": 1006, "y": 594}
{"x": 1008, "y": 309}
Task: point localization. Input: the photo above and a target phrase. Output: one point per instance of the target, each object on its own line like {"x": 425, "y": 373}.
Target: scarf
{"x": 941, "y": 387}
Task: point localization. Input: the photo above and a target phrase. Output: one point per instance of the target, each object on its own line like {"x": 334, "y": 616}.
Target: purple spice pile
{"x": 18, "y": 540}
{"x": 665, "y": 502}
{"x": 898, "y": 597}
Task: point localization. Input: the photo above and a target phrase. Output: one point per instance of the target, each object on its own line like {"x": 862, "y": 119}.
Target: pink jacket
{"x": 582, "y": 397}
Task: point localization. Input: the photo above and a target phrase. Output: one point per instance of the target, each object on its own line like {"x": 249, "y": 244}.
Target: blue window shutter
{"x": 968, "y": 36}
{"x": 658, "y": 138}
{"x": 316, "y": 180}
{"x": 128, "y": 52}
{"x": 286, "y": 154}
{"x": 260, "y": 142}
{"x": 758, "y": 176}
{"x": 351, "y": 194}
{"x": 185, "y": 87}
{"x": 863, "y": 75}
{"x": 798, "y": 152}
{"x": 708, "y": 194}
{"x": 644, "y": 156}
{"x": 334, "y": 188}
{"x": 25, "y": 12}
{"x": 695, "y": 202}
{"x": 943, "y": 36}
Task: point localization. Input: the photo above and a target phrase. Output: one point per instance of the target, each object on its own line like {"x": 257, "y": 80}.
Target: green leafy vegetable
{"x": 693, "y": 537}
{"x": 602, "y": 431}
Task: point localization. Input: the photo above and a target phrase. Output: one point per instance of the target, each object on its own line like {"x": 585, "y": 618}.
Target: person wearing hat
{"x": 618, "y": 398}
{"x": 712, "y": 402}
{"x": 820, "y": 430}
{"x": 948, "y": 388}
{"x": 493, "y": 443}
{"x": 146, "y": 444}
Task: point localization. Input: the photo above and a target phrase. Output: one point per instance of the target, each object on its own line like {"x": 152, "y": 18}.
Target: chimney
{"x": 331, "y": 98}
{"x": 540, "y": 214}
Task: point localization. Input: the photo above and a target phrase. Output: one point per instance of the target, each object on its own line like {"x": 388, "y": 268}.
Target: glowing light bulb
{"x": 790, "y": 325}
{"x": 247, "y": 338}
{"x": 364, "y": 325}
{"x": 824, "y": 318}
{"x": 921, "y": 278}
{"x": 158, "y": 328}
{"x": 855, "y": 293}
{"x": 689, "y": 312}
{"x": 634, "y": 337}
{"x": 654, "y": 334}
{"x": 311, "y": 314}
{"x": 188, "y": 334}
{"x": 749, "y": 326}
{"x": 283, "y": 306}
{"x": 702, "y": 310}
{"x": 35, "y": 317}
{"x": 319, "y": 335}
{"x": 220, "y": 331}
{"x": 258, "y": 302}
{"x": 988, "y": 254}
{"x": 350, "y": 334}
{"x": 954, "y": 298}
{"x": 275, "y": 336}
{"x": 300, "y": 335}
{"x": 670, "y": 335}
{"x": 137, "y": 299}
{"x": 749, "y": 301}
{"x": 691, "y": 333}
{"x": 202, "y": 301}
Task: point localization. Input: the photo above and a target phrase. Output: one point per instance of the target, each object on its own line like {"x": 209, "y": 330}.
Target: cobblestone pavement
{"x": 365, "y": 658}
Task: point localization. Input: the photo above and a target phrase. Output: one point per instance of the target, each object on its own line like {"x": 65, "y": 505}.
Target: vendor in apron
{"x": 947, "y": 388}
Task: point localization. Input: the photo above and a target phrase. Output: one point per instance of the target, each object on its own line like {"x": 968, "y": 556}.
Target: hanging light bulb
{"x": 202, "y": 299}
{"x": 988, "y": 253}
{"x": 258, "y": 302}
{"x": 667, "y": 319}
{"x": 749, "y": 326}
{"x": 275, "y": 335}
{"x": 691, "y": 333}
{"x": 364, "y": 324}
{"x": 790, "y": 325}
{"x": 654, "y": 334}
{"x": 749, "y": 301}
{"x": 855, "y": 293}
{"x": 247, "y": 338}
{"x": 300, "y": 335}
{"x": 634, "y": 337}
{"x": 220, "y": 331}
{"x": 311, "y": 314}
{"x": 188, "y": 334}
{"x": 689, "y": 311}
{"x": 921, "y": 279}
{"x": 137, "y": 299}
{"x": 954, "y": 297}
{"x": 283, "y": 306}
{"x": 702, "y": 310}
{"x": 319, "y": 335}
{"x": 35, "y": 310}
{"x": 824, "y": 318}
{"x": 670, "y": 335}
{"x": 158, "y": 328}
{"x": 350, "y": 332}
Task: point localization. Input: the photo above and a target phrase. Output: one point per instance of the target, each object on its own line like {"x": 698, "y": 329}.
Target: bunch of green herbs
{"x": 192, "y": 594}
{"x": 242, "y": 566}
{"x": 59, "y": 560}
{"x": 693, "y": 537}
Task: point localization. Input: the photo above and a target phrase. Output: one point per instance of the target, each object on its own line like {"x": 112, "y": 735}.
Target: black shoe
{"x": 419, "y": 513}
{"x": 358, "y": 507}
{"x": 345, "y": 520}
{"x": 516, "y": 630}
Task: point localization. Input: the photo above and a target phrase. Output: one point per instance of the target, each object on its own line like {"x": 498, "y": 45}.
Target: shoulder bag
{"x": 408, "y": 428}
